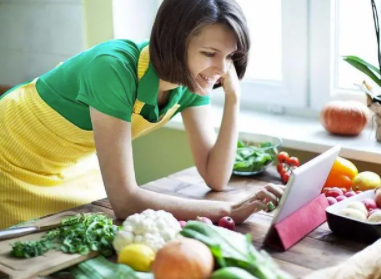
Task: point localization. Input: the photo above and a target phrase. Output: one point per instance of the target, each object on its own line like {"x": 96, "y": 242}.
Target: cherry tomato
{"x": 279, "y": 167}
{"x": 293, "y": 161}
{"x": 283, "y": 157}
{"x": 285, "y": 177}
{"x": 283, "y": 171}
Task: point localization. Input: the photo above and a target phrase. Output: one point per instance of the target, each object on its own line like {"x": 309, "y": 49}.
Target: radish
{"x": 334, "y": 192}
{"x": 350, "y": 194}
{"x": 331, "y": 200}
{"x": 204, "y": 220}
{"x": 340, "y": 198}
{"x": 227, "y": 223}
{"x": 369, "y": 204}
{"x": 182, "y": 223}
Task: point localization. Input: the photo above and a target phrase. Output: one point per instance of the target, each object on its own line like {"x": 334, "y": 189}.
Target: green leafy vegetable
{"x": 81, "y": 234}
{"x": 253, "y": 158}
{"x": 234, "y": 249}
{"x": 29, "y": 249}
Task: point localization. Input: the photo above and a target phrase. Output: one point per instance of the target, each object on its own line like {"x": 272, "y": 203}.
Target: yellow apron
{"x": 47, "y": 164}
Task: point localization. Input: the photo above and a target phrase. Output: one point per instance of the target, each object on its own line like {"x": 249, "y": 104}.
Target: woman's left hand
{"x": 230, "y": 82}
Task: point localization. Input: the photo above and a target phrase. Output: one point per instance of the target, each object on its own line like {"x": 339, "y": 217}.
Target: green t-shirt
{"x": 105, "y": 78}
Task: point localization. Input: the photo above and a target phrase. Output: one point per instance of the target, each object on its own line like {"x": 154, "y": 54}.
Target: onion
{"x": 183, "y": 258}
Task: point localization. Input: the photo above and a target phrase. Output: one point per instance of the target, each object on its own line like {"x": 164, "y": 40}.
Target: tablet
{"x": 305, "y": 184}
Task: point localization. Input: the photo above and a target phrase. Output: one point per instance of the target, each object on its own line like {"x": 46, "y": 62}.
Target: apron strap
{"x": 143, "y": 64}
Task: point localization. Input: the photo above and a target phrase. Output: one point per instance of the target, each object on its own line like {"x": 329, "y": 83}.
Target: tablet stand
{"x": 284, "y": 234}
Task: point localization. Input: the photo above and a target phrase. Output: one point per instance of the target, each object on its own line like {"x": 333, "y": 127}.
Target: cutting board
{"x": 45, "y": 264}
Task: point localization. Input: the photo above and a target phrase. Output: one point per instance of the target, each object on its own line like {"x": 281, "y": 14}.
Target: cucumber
{"x": 232, "y": 273}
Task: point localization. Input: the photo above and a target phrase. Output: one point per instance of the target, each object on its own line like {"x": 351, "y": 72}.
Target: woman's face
{"x": 209, "y": 56}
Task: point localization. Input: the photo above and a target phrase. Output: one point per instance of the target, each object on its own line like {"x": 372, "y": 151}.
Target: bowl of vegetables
{"x": 255, "y": 156}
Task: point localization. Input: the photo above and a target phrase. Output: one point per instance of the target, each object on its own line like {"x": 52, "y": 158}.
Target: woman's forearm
{"x": 183, "y": 209}
{"x": 221, "y": 158}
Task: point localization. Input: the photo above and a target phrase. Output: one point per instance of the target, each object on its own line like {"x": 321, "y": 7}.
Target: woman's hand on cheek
{"x": 230, "y": 82}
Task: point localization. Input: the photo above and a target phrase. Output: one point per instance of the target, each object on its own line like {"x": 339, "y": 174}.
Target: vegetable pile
{"x": 250, "y": 158}
{"x": 152, "y": 244}
{"x": 81, "y": 234}
{"x": 200, "y": 250}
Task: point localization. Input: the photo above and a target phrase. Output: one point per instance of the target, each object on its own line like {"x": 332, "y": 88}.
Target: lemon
{"x": 366, "y": 180}
{"x": 137, "y": 256}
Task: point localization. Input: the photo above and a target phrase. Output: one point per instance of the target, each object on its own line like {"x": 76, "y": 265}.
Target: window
{"x": 266, "y": 54}
{"x": 354, "y": 37}
{"x": 297, "y": 47}
{"x": 339, "y": 28}
{"x": 133, "y": 19}
{"x": 277, "y": 71}
{"x": 311, "y": 37}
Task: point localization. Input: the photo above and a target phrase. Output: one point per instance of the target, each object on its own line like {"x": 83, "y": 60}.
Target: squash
{"x": 345, "y": 117}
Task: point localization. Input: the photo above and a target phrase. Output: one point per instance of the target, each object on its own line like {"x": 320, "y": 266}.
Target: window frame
{"x": 292, "y": 90}
{"x": 323, "y": 36}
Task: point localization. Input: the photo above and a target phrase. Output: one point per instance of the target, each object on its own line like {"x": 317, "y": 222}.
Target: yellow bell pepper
{"x": 342, "y": 173}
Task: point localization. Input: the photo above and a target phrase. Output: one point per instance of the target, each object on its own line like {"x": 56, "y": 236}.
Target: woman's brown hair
{"x": 178, "y": 20}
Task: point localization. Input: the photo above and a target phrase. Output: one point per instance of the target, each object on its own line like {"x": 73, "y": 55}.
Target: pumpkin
{"x": 347, "y": 118}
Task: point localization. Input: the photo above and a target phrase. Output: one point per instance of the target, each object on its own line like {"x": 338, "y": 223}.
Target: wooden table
{"x": 320, "y": 249}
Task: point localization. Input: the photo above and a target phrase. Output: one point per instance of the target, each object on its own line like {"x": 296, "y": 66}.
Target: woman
{"x": 103, "y": 98}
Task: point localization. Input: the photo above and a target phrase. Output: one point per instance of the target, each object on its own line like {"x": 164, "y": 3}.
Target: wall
{"x": 35, "y": 35}
{"x": 160, "y": 153}
{"x": 97, "y": 22}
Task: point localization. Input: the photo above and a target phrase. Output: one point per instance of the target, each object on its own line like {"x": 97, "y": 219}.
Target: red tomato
{"x": 283, "y": 157}
{"x": 293, "y": 161}
{"x": 279, "y": 167}
{"x": 285, "y": 177}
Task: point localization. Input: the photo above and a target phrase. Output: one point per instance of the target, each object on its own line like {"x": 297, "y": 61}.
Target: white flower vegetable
{"x": 152, "y": 228}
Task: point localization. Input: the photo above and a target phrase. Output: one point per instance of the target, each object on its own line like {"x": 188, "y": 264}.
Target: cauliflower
{"x": 152, "y": 228}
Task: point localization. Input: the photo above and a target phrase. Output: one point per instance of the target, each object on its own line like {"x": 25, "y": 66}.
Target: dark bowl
{"x": 351, "y": 228}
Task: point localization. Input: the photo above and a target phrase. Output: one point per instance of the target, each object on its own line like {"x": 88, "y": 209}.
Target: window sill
{"x": 306, "y": 134}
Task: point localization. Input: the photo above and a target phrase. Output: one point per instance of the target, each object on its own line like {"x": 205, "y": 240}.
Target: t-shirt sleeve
{"x": 191, "y": 99}
{"x": 109, "y": 85}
